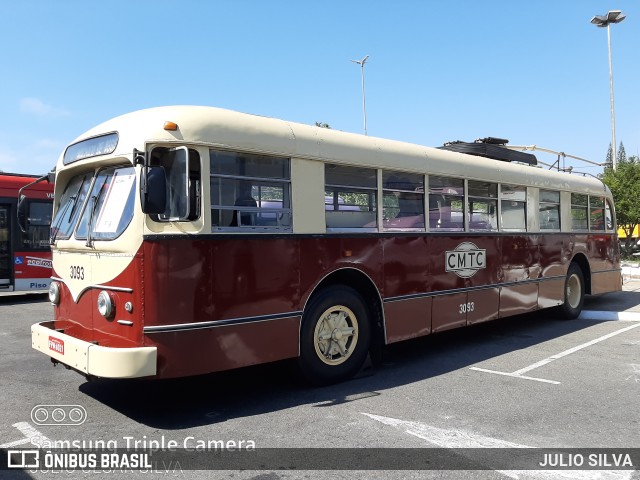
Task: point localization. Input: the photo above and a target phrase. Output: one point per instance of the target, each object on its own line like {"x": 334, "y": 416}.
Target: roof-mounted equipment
{"x": 491, "y": 147}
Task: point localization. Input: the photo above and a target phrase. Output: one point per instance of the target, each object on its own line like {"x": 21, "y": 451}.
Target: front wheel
{"x": 573, "y": 292}
{"x": 335, "y": 335}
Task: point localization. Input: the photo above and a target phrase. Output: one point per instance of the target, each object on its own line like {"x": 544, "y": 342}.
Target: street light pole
{"x": 614, "y": 16}
{"x": 364, "y": 102}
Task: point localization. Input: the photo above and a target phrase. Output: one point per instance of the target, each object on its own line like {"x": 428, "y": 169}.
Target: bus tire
{"x": 573, "y": 292}
{"x": 335, "y": 335}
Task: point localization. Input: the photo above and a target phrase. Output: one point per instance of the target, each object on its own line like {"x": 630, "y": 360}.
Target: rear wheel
{"x": 573, "y": 292}
{"x": 335, "y": 335}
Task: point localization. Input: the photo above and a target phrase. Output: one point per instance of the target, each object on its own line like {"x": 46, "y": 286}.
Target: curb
{"x": 608, "y": 316}
{"x": 630, "y": 271}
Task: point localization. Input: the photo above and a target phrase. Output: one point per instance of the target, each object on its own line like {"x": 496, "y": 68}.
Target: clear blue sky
{"x": 534, "y": 72}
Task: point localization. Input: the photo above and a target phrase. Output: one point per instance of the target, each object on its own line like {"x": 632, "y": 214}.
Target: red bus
{"x": 25, "y": 256}
{"x": 189, "y": 240}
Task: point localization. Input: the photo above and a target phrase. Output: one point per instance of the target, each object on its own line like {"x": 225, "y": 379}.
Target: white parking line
{"x": 507, "y": 374}
{"x": 461, "y": 439}
{"x": 30, "y": 433}
{"x": 519, "y": 373}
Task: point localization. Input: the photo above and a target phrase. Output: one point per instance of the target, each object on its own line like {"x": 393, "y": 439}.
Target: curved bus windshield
{"x": 70, "y": 205}
{"x": 106, "y": 209}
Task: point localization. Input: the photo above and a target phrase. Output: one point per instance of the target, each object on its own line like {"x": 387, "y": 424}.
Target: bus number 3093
{"x": 467, "y": 307}
{"x": 77, "y": 273}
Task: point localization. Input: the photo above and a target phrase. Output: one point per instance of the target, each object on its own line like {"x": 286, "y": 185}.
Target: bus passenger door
{"x": 5, "y": 251}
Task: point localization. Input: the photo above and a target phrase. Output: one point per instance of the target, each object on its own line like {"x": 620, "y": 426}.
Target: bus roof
{"x": 11, "y": 183}
{"x": 219, "y": 128}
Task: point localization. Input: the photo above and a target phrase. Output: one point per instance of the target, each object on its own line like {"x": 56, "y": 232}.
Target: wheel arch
{"x": 366, "y": 287}
{"x": 581, "y": 260}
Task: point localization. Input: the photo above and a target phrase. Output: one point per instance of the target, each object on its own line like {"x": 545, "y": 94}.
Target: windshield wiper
{"x": 55, "y": 229}
{"x": 75, "y": 200}
{"x": 94, "y": 199}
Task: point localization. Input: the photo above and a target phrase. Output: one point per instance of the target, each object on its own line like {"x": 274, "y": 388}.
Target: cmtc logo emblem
{"x": 465, "y": 260}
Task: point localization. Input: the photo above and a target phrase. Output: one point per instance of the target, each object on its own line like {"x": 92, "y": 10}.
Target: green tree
{"x": 323, "y": 125}
{"x": 609, "y": 160}
{"x": 624, "y": 183}
{"x": 621, "y": 154}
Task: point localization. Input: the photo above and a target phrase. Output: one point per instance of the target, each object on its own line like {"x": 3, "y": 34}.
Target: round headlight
{"x": 105, "y": 304}
{"x": 54, "y": 293}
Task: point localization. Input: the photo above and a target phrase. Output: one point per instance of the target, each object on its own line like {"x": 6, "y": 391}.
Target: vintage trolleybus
{"x": 191, "y": 239}
{"x": 25, "y": 217}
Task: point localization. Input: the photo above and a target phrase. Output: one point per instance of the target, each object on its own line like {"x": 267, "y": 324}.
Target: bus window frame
{"x": 397, "y": 191}
{"x": 502, "y": 200}
{"x": 335, "y": 210}
{"x": 579, "y": 206}
{"x": 492, "y": 223}
{"x": 241, "y": 211}
{"x": 558, "y": 208}
{"x": 447, "y": 192}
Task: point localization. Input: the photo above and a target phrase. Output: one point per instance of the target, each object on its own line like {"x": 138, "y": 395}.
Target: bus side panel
{"x": 551, "y": 292}
{"x": 605, "y": 277}
{"x": 471, "y": 306}
{"x": 553, "y": 255}
{"x": 520, "y": 266}
{"x": 445, "y": 312}
{"x": 406, "y": 273}
{"x": 604, "y": 282}
{"x": 190, "y": 281}
{"x": 239, "y": 280}
{"x": 553, "y": 270}
{"x": 449, "y": 311}
{"x": 195, "y": 352}
{"x": 408, "y": 318}
{"x": 483, "y": 303}
{"x": 325, "y": 257}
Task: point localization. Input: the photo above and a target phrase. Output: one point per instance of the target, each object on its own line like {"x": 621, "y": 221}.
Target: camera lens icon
{"x": 58, "y": 414}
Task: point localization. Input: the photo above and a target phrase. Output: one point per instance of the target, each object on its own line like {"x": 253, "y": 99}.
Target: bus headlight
{"x": 105, "y": 304}
{"x": 54, "y": 293}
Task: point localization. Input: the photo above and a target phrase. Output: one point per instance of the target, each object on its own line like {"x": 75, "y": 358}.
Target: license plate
{"x": 56, "y": 345}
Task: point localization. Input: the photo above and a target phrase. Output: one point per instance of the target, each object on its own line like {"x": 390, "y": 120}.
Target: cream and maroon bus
{"x": 190, "y": 239}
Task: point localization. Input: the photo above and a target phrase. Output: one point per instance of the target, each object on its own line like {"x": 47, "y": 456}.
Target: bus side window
{"x": 403, "y": 200}
{"x": 182, "y": 167}
{"x": 513, "y": 203}
{"x": 350, "y": 197}
{"x": 447, "y": 195}
{"x": 579, "y": 212}
{"x": 249, "y": 191}
{"x": 549, "y": 210}
{"x": 435, "y": 201}
{"x": 609, "y": 220}
{"x": 596, "y": 213}
{"x": 244, "y": 199}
